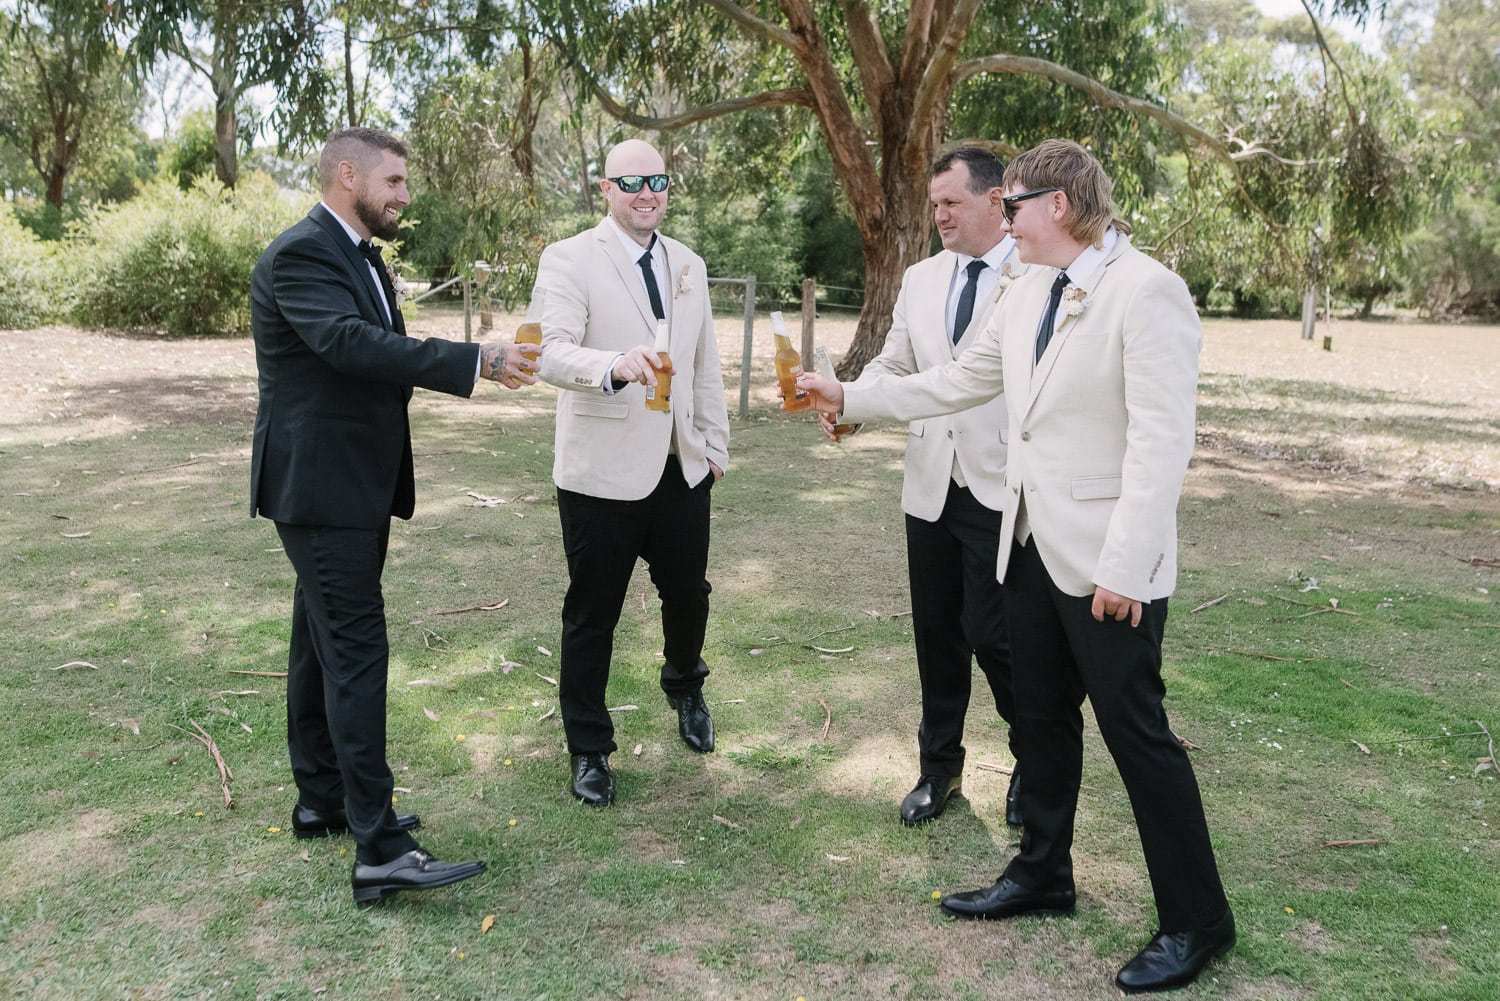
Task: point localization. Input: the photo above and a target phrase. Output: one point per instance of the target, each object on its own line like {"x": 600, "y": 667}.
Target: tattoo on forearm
{"x": 492, "y": 360}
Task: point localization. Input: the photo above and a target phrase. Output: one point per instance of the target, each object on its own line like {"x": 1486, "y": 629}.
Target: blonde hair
{"x": 1067, "y": 166}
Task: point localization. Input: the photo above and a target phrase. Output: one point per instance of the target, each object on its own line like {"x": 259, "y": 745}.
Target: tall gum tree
{"x": 877, "y": 80}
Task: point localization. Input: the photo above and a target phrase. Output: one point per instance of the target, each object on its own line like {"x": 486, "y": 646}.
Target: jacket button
{"x": 950, "y": 432}
{"x": 1025, "y": 435}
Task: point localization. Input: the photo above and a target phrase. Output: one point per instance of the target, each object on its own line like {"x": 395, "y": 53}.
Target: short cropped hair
{"x": 1067, "y": 166}
{"x": 986, "y": 170}
{"x": 360, "y": 146}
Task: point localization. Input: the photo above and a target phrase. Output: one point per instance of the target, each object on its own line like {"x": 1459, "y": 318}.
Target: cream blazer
{"x": 918, "y": 341}
{"x": 1101, "y": 429}
{"x": 592, "y": 306}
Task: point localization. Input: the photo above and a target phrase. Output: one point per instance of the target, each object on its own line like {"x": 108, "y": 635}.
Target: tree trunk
{"x": 349, "y": 104}
{"x": 901, "y": 242}
{"x": 226, "y": 94}
{"x": 54, "y": 181}
{"x": 523, "y": 150}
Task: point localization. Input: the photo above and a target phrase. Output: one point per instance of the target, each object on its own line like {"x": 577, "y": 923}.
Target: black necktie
{"x": 1049, "y": 318}
{"x": 371, "y": 253}
{"x": 650, "y": 276}
{"x": 966, "y": 299}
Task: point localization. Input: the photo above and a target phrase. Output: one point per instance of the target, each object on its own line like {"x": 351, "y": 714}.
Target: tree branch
{"x": 870, "y": 56}
{"x": 938, "y": 80}
{"x": 756, "y": 25}
{"x": 1100, "y": 95}
{"x": 919, "y": 25}
{"x": 790, "y": 97}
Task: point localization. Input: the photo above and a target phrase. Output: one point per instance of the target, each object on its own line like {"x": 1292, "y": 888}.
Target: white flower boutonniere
{"x": 684, "y": 283}
{"x": 1073, "y": 301}
{"x": 1008, "y": 274}
{"x": 398, "y": 285}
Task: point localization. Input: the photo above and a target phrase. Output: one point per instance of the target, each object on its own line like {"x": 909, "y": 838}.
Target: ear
{"x": 1060, "y": 205}
{"x": 604, "y": 185}
{"x": 996, "y": 197}
{"x": 347, "y": 175}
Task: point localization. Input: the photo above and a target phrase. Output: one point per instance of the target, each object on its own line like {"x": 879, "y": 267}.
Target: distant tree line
{"x": 1257, "y": 157}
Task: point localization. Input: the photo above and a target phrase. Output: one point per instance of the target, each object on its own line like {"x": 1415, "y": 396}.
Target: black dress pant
{"x": 957, "y": 617}
{"x": 603, "y": 538}
{"x": 1061, "y": 656}
{"x": 336, "y": 682}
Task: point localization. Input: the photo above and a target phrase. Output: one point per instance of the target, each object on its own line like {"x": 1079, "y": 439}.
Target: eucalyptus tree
{"x": 61, "y": 96}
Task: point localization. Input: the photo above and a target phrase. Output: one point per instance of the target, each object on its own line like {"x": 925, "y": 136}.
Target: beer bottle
{"x": 825, "y": 369}
{"x": 659, "y": 396}
{"x": 788, "y": 367}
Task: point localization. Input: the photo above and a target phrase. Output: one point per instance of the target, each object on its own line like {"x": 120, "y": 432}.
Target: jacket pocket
{"x": 601, "y": 408}
{"x": 916, "y": 428}
{"x": 1095, "y": 487}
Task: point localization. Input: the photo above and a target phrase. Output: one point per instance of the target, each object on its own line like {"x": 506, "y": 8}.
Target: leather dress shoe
{"x": 593, "y": 782}
{"x": 928, "y": 800}
{"x": 1013, "y": 798}
{"x": 693, "y": 721}
{"x": 1008, "y": 899}
{"x": 1176, "y": 959}
{"x": 415, "y": 870}
{"x": 310, "y": 823}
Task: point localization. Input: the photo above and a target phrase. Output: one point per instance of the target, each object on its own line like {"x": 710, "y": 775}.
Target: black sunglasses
{"x": 1008, "y": 204}
{"x": 631, "y": 183}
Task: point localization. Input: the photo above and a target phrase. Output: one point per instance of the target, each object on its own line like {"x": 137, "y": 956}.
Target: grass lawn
{"x": 1331, "y": 652}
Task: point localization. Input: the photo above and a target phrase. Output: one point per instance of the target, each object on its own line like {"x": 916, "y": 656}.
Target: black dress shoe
{"x": 1176, "y": 959}
{"x": 1007, "y": 899}
{"x": 310, "y": 823}
{"x": 693, "y": 722}
{"x": 1012, "y": 798}
{"x": 416, "y": 870}
{"x": 928, "y": 800}
{"x": 593, "y": 783}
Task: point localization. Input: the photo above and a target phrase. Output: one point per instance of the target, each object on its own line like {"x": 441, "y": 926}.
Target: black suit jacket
{"x": 332, "y": 446}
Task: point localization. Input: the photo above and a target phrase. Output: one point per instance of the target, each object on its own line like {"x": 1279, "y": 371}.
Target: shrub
{"x": 174, "y": 261}
{"x": 27, "y": 275}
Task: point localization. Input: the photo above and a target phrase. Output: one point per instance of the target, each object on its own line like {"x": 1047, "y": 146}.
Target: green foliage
{"x": 27, "y": 275}
{"x": 176, "y": 261}
{"x": 1455, "y": 260}
{"x": 189, "y": 154}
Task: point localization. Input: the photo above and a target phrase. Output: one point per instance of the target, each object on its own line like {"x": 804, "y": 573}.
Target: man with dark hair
{"x": 330, "y": 464}
{"x": 955, "y": 474}
{"x": 1097, "y": 348}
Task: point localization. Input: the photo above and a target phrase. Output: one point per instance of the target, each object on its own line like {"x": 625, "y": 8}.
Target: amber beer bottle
{"x": 825, "y": 369}
{"x": 788, "y": 367}
{"x": 529, "y": 332}
{"x": 659, "y": 396}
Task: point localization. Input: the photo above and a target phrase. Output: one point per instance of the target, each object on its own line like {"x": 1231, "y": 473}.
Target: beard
{"x": 374, "y": 217}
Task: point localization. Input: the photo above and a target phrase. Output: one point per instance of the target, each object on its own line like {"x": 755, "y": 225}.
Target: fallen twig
{"x": 261, "y": 674}
{"x": 1209, "y": 604}
{"x": 1359, "y": 745}
{"x": 1187, "y": 745}
{"x": 1002, "y": 769}
{"x": 428, "y": 637}
{"x": 729, "y": 702}
{"x": 74, "y": 665}
{"x": 550, "y": 681}
{"x": 622, "y": 709}
{"x": 492, "y": 606}
{"x": 548, "y": 715}
{"x": 827, "y": 718}
{"x": 225, "y": 775}
{"x": 1351, "y": 843}
{"x": 1489, "y": 738}
{"x": 1271, "y": 656}
{"x": 1413, "y": 740}
{"x": 727, "y": 822}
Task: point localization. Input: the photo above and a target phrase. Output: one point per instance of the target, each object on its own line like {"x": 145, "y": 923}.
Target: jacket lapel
{"x": 359, "y": 267}
{"x": 1067, "y": 324}
{"x": 628, "y": 270}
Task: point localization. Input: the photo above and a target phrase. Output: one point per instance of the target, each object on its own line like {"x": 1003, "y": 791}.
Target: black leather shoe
{"x": 593, "y": 782}
{"x": 1007, "y": 899}
{"x": 416, "y": 870}
{"x": 310, "y": 823}
{"x": 928, "y": 800}
{"x": 693, "y": 722}
{"x": 1012, "y": 798}
{"x": 1176, "y": 959}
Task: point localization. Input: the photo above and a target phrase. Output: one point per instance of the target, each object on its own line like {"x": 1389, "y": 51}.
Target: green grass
{"x": 773, "y": 868}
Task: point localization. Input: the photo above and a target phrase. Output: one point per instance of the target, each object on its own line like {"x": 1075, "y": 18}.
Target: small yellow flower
{"x": 513, "y": 821}
{"x": 1289, "y": 910}
{"x": 507, "y": 761}
{"x": 460, "y": 955}
{"x": 198, "y": 814}
{"x": 343, "y": 852}
{"x": 394, "y": 801}
{"x": 458, "y": 736}
{"x": 273, "y": 830}
{"x": 937, "y": 894}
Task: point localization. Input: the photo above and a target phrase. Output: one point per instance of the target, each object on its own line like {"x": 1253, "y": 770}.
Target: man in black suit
{"x": 331, "y": 463}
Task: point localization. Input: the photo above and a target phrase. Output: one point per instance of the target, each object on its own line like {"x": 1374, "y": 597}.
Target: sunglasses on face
{"x": 631, "y": 183}
{"x": 1009, "y": 204}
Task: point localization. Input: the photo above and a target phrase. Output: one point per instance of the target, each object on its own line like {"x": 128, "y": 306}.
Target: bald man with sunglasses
{"x": 632, "y": 483}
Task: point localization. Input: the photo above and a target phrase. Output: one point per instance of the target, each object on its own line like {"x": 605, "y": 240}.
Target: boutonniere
{"x": 684, "y": 283}
{"x": 398, "y": 285}
{"x": 1008, "y": 274}
{"x": 1073, "y": 300}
